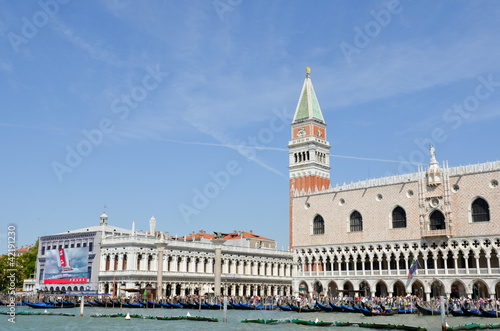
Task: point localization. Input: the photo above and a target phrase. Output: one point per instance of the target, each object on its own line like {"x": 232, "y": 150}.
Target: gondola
{"x": 164, "y": 305}
{"x": 175, "y": 305}
{"x": 237, "y": 306}
{"x": 40, "y": 305}
{"x": 285, "y": 308}
{"x": 184, "y": 304}
{"x": 472, "y": 312}
{"x": 458, "y": 312}
{"x": 428, "y": 311}
{"x": 65, "y": 304}
{"x": 336, "y": 308}
{"x": 94, "y": 303}
{"x": 305, "y": 309}
{"x": 151, "y": 304}
{"x": 490, "y": 313}
{"x": 100, "y": 303}
{"x": 266, "y": 307}
{"x": 135, "y": 305}
{"x": 407, "y": 311}
{"x": 348, "y": 309}
{"x": 326, "y": 308}
{"x": 246, "y": 306}
{"x": 376, "y": 312}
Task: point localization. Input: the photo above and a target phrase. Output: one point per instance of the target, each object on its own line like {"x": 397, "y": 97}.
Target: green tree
{"x": 27, "y": 262}
{"x": 21, "y": 266}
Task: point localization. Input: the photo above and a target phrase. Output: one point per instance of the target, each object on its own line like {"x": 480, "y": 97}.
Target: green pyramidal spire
{"x": 308, "y": 106}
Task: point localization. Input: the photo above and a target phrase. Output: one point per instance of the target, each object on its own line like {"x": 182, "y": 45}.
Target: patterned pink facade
{"x": 361, "y": 238}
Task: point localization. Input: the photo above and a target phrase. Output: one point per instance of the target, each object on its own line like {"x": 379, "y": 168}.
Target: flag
{"x": 145, "y": 295}
{"x": 114, "y": 286}
{"x": 413, "y": 269}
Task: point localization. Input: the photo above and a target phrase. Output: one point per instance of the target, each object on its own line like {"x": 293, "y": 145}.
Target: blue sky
{"x": 155, "y": 98}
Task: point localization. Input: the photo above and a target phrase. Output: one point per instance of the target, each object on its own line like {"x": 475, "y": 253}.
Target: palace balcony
{"x": 436, "y": 233}
{"x": 401, "y": 273}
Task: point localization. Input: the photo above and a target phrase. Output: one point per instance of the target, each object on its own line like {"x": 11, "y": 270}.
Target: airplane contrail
{"x": 282, "y": 150}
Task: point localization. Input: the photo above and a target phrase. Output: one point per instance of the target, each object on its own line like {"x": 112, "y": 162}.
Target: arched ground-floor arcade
{"x": 421, "y": 286}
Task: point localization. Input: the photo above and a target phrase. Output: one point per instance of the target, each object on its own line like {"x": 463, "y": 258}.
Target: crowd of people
{"x": 401, "y": 302}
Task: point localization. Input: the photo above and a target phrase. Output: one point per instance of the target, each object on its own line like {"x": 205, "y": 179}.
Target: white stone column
{"x": 466, "y": 259}
{"x": 488, "y": 261}
{"x": 192, "y": 267}
{"x": 173, "y": 264}
{"x": 217, "y": 270}
{"x": 183, "y": 264}
{"x": 426, "y": 272}
{"x": 478, "y": 270}
{"x": 132, "y": 261}
{"x": 103, "y": 262}
{"x": 159, "y": 274}
{"x": 120, "y": 261}
{"x": 210, "y": 266}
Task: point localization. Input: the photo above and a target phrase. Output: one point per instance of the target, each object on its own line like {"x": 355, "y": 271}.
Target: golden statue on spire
{"x": 308, "y": 70}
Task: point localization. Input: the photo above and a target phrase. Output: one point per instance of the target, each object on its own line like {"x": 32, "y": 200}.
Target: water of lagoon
{"x": 234, "y": 318}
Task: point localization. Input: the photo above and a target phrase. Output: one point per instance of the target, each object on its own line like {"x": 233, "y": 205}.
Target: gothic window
{"x": 139, "y": 258}
{"x": 480, "y": 211}
{"x": 150, "y": 260}
{"x": 318, "y": 225}
{"x": 437, "y": 220}
{"x": 398, "y": 218}
{"x": 124, "y": 262}
{"x": 356, "y": 221}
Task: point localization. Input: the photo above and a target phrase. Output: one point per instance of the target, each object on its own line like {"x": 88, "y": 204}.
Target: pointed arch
{"x": 318, "y": 224}
{"x": 398, "y": 218}
{"x": 480, "y": 210}
{"x": 356, "y": 221}
{"x": 437, "y": 220}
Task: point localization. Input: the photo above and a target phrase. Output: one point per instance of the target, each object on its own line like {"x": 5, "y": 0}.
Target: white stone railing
{"x": 198, "y": 245}
{"x": 475, "y": 168}
{"x": 405, "y": 178}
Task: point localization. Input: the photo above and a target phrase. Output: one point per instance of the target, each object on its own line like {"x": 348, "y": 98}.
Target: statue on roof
{"x": 218, "y": 235}
{"x": 433, "y": 151}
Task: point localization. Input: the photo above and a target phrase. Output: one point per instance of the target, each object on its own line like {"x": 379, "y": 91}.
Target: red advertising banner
{"x": 65, "y": 281}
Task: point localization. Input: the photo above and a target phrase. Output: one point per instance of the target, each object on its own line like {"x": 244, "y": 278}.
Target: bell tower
{"x": 309, "y": 151}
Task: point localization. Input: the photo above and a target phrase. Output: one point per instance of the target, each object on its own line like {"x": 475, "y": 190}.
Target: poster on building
{"x": 66, "y": 265}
